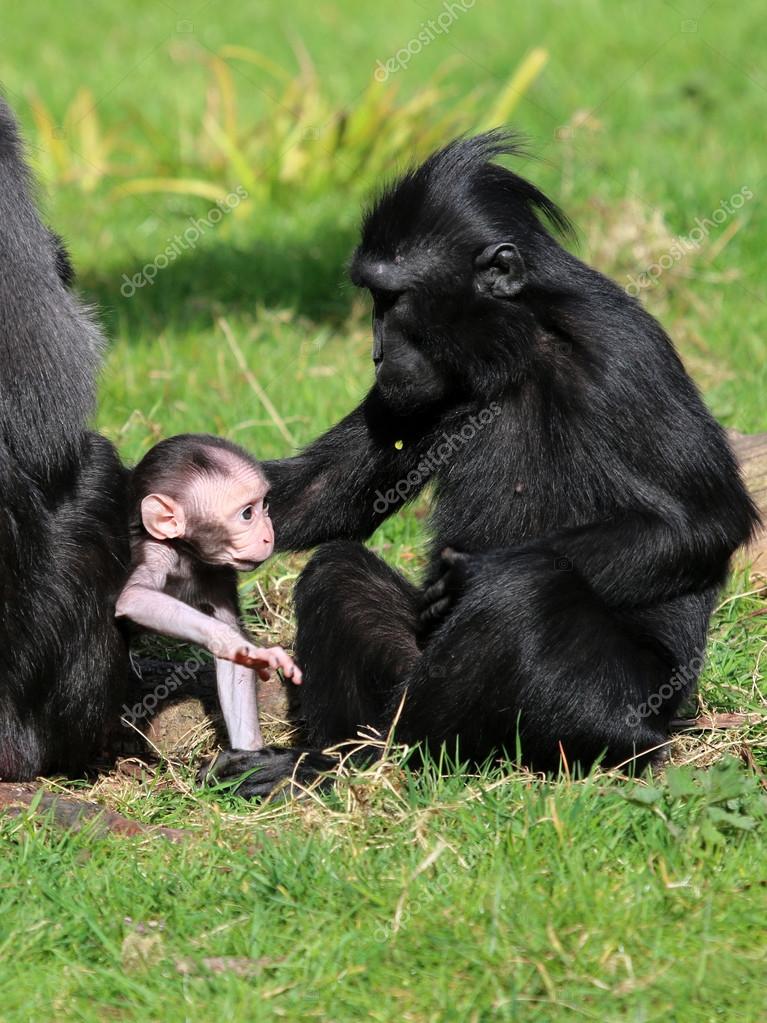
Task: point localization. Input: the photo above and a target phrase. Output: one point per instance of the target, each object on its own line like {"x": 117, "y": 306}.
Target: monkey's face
{"x": 434, "y": 314}
{"x": 451, "y": 254}
{"x": 229, "y": 521}
{"x": 406, "y": 349}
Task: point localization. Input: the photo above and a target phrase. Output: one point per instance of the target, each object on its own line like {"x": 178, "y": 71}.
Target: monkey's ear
{"x": 500, "y": 271}
{"x": 163, "y": 517}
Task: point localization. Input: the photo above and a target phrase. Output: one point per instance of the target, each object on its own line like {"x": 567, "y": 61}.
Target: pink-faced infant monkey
{"x": 199, "y": 516}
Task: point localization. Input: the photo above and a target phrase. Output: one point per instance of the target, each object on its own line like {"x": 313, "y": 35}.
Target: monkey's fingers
{"x": 267, "y": 660}
{"x": 436, "y": 591}
{"x": 436, "y": 611}
{"x": 287, "y": 665}
{"x": 437, "y": 598}
{"x": 455, "y": 559}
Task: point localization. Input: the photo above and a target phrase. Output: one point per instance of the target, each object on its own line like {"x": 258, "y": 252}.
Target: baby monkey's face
{"x": 228, "y": 518}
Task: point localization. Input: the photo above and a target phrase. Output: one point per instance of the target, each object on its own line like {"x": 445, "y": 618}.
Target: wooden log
{"x": 73, "y": 814}
{"x": 751, "y": 451}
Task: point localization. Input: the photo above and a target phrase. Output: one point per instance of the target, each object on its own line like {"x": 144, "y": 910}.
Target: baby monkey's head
{"x": 207, "y": 494}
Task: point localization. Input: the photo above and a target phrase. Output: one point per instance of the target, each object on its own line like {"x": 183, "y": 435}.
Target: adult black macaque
{"x": 590, "y": 501}
{"x": 63, "y": 529}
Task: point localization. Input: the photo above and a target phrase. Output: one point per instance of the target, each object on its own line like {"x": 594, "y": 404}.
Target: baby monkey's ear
{"x": 163, "y": 517}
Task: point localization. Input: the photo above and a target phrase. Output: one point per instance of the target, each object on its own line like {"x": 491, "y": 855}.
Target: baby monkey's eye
{"x": 247, "y": 513}
{"x": 266, "y": 508}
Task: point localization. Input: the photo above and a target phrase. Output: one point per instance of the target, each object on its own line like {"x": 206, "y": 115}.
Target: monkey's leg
{"x": 530, "y": 658}
{"x": 236, "y": 683}
{"x": 236, "y": 686}
{"x": 356, "y": 642}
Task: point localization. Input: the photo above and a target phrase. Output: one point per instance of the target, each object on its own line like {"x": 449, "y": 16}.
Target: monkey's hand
{"x": 280, "y": 773}
{"x": 231, "y": 646}
{"x": 268, "y": 659}
{"x": 438, "y": 598}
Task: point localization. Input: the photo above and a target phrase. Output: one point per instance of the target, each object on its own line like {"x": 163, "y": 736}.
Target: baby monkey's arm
{"x": 145, "y": 602}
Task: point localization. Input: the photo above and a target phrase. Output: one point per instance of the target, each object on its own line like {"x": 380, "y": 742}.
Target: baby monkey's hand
{"x": 231, "y": 646}
{"x": 268, "y": 659}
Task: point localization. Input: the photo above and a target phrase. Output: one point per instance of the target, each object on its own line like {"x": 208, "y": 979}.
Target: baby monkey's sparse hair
{"x": 172, "y": 465}
{"x": 202, "y": 492}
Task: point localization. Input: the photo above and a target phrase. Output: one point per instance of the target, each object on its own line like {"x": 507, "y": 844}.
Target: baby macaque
{"x": 199, "y": 516}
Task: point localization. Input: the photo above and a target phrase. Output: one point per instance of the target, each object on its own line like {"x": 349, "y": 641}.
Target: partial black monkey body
{"x": 198, "y": 516}
{"x": 591, "y": 518}
{"x": 63, "y": 529}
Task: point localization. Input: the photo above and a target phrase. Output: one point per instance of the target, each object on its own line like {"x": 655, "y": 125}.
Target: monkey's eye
{"x": 247, "y": 513}
{"x": 266, "y": 508}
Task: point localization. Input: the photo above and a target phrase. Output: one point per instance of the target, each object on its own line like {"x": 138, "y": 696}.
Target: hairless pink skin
{"x": 233, "y": 502}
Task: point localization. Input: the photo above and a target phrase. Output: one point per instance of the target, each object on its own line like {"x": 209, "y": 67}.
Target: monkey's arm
{"x": 144, "y": 602}
{"x": 147, "y": 605}
{"x": 344, "y": 484}
{"x": 642, "y": 559}
{"x": 638, "y": 560}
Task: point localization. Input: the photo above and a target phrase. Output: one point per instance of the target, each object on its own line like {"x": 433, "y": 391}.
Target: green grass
{"x": 417, "y": 900}
{"x": 398, "y": 897}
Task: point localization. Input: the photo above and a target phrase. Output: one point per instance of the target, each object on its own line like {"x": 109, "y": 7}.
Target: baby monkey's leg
{"x": 237, "y": 696}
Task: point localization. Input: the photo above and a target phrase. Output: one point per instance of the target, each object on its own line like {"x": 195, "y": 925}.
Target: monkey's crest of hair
{"x": 460, "y": 193}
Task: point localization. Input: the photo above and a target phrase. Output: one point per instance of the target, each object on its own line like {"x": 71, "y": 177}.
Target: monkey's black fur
{"x": 594, "y": 499}
{"x": 63, "y": 535}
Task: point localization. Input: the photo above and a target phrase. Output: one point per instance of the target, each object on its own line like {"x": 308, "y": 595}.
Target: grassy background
{"x": 396, "y": 898}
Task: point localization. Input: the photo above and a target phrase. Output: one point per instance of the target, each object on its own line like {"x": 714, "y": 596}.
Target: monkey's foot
{"x": 288, "y": 772}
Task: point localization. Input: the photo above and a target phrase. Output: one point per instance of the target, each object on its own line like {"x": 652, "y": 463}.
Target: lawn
{"x": 399, "y": 896}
